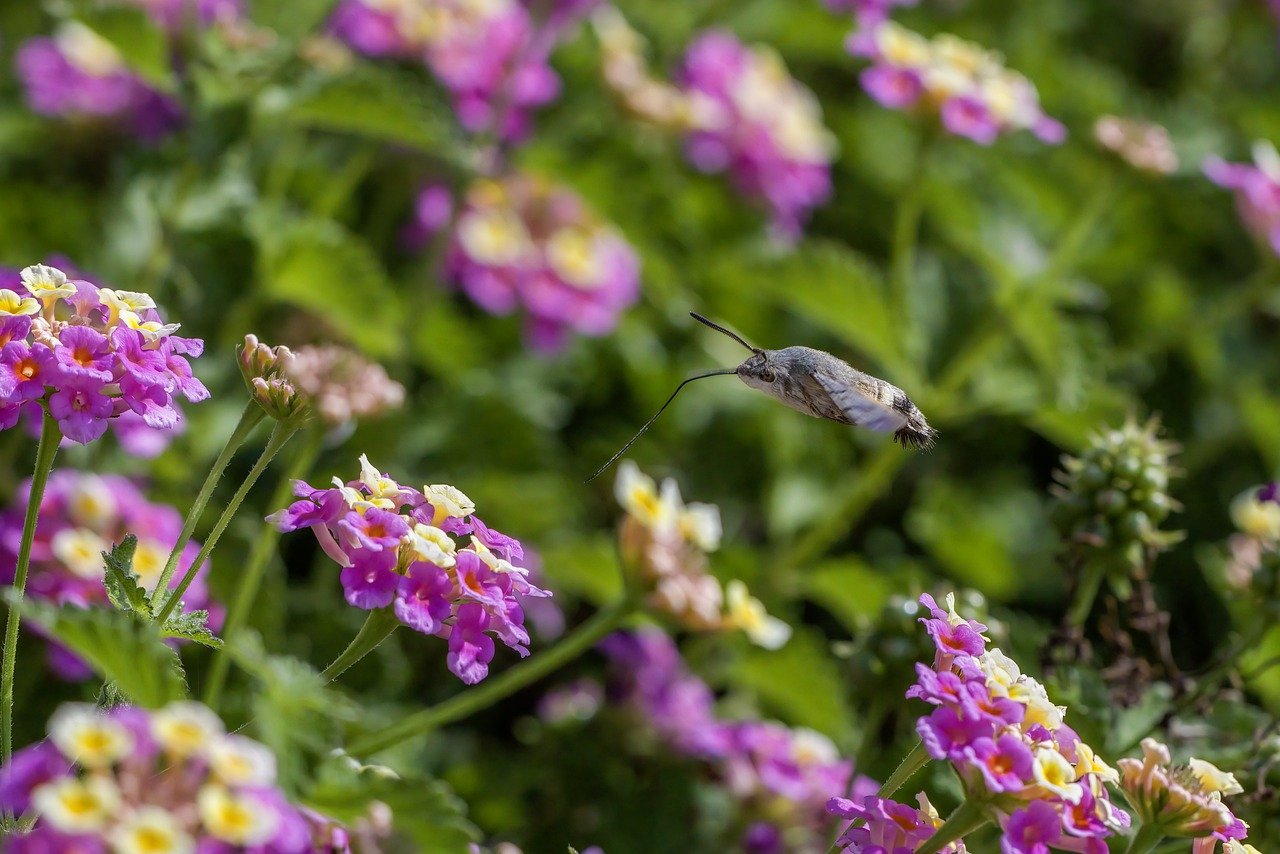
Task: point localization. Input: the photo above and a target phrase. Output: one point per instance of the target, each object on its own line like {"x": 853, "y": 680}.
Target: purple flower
{"x": 507, "y": 548}
{"x": 975, "y": 95}
{"x": 84, "y": 354}
{"x": 470, "y": 649}
{"x": 762, "y": 126}
{"x": 977, "y": 701}
{"x": 173, "y": 350}
{"x": 370, "y": 582}
{"x": 144, "y": 365}
{"x": 374, "y": 529}
{"x": 151, "y": 402}
{"x": 81, "y": 409}
{"x": 77, "y": 74}
{"x": 24, "y": 370}
{"x": 1257, "y": 191}
{"x": 28, "y": 768}
{"x": 938, "y": 688}
{"x": 317, "y": 507}
{"x": 423, "y": 600}
{"x": 1005, "y": 763}
{"x": 1270, "y": 492}
{"x": 895, "y": 88}
{"x": 762, "y": 837}
{"x": 888, "y": 827}
{"x": 947, "y": 732}
{"x": 1031, "y": 830}
{"x": 968, "y": 116}
{"x": 528, "y": 245}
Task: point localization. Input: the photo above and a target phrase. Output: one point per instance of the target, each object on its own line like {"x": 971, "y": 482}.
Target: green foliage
{"x": 122, "y": 647}
{"x": 141, "y": 43}
{"x": 120, "y": 580}
{"x": 427, "y": 815}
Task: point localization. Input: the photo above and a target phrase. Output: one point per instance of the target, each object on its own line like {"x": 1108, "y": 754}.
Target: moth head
{"x": 760, "y": 370}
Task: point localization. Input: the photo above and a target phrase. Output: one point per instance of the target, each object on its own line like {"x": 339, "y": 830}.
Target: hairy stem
{"x": 50, "y": 437}
{"x": 500, "y": 687}
{"x": 248, "y": 420}
{"x": 279, "y": 436}
{"x": 255, "y": 568}
{"x": 377, "y": 628}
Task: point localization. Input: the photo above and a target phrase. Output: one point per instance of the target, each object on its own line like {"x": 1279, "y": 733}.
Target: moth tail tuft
{"x": 917, "y": 436}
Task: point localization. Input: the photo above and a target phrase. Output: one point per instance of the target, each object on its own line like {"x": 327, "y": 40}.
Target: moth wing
{"x": 863, "y": 400}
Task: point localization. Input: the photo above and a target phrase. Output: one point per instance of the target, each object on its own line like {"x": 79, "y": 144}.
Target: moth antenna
{"x": 649, "y": 423}
{"x": 718, "y": 328}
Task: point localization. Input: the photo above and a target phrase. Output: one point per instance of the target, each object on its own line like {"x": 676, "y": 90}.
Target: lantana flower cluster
{"x": 1256, "y": 513}
{"x": 1182, "y": 800}
{"x": 524, "y": 244}
{"x": 425, "y": 554}
{"x": 884, "y": 825}
{"x": 766, "y": 130}
{"x": 666, "y": 541}
{"x": 133, "y": 434}
{"x": 492, "y": 55}
{"x": 83, "y": 515}
{"x": 781, "y": 774}
{"x": 969, "y": 87}
{"x": 1145, "y": 146}
{"x": 92, "y": 354}
{"x": 341, "y": 385}
{"x": 169, "y": 781}
{"x": 1008, "y": 743}
{"x": 1257, "y": 191}
{"x": 740, "y": 112}
{"x": 77, "y": 74}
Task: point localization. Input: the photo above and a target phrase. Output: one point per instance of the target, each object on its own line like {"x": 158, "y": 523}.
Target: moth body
{"x": 819, "y": 384}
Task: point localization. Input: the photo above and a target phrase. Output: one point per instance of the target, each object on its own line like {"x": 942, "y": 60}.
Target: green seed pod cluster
{"x": 1112, "y": 499}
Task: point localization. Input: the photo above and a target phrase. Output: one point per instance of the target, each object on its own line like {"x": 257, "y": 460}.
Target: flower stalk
{"x": 249, "y": 419}
{"x": 1145, "y": 840}
{"x": 50, "y": 437}
{"x": 279, "y": 437}
{"x": 968, "y": 817}
{"x": 259, "y": 557}
{"x": 377, "y": 627}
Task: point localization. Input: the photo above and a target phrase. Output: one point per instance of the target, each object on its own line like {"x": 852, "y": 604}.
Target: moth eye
{"x": 768, "y": 375}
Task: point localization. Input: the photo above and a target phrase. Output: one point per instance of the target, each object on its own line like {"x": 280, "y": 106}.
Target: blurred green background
{"x": 1056, "y": 291}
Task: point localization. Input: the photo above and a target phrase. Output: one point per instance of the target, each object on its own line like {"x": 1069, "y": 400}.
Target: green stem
{"x": 500, "y": 687}
{"x": 911, "y": 763}
{"x": 377, "y": 628}
{"x": 50, "y": 437}
{"x": 1090, "y": 583}
{"x": 864, "y": 489}
{"x": 1145, "y": 840}
{"x": 279, "y": 436}
{"x": 248, "y": 420}
{"x": 259, "y": 557}
{"x": 967, "y": 818}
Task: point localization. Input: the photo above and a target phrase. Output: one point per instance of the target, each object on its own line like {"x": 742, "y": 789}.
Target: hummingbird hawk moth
{"x": 819, "y": 384}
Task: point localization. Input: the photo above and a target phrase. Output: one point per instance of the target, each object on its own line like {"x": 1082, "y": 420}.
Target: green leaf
{"x": 427, "y": 814}
{"x": 142, "y": 45}
{"x": 382, "y": 104}
{"x": 121, "y": 646}
{"x": 802, "y": 681}
{"x": 192, "y": 626}
{"x": 292, "y": 19}
{"x": 317, "y": 264}
{"x": 121, "y": 582}
{"x": 832, "y": 287}
{"x": 850, "y": 589}
{"x": 295, "y": 711}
